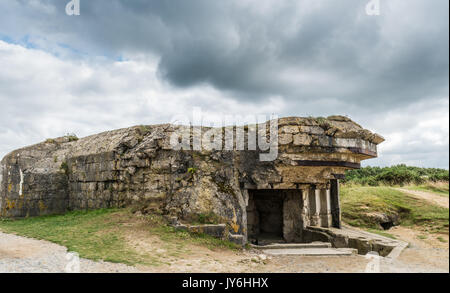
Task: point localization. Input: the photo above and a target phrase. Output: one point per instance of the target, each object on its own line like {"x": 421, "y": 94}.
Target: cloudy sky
{"x": 128, "y": 62}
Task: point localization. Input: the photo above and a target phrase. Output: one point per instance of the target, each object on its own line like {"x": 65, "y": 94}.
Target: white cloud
{"x": 416, "y": 135}
{"x": 43, "y": 96}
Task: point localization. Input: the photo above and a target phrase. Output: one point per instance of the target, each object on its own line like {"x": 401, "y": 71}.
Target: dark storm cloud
{"x": 298, "y": 57}
{"x": 256, "y": 48}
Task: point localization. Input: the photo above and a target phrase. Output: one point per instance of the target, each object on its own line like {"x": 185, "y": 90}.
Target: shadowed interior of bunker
{"x": 278, "y": 215}
{"x": 274, "y": 215}
{"x": 265, "y": 214}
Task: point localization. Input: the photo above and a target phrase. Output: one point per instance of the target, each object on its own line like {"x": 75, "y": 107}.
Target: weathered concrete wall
{"x": 116, "y": 168}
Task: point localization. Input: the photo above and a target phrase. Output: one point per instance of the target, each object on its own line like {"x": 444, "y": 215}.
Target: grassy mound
{"x": 359, "y": 203}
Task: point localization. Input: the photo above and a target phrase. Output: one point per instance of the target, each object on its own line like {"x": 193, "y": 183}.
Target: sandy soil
{"x": 428, "y": 252}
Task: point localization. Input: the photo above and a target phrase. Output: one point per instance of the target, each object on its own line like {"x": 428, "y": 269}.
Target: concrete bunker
{"x": 252, "y": 200}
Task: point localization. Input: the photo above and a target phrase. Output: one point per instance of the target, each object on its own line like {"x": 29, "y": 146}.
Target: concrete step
{"x": 312, "y": 251}
{"x": 293, "y": 245}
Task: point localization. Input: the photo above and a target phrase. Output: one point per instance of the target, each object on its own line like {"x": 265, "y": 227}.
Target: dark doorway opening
{"x": 265, "y": 216}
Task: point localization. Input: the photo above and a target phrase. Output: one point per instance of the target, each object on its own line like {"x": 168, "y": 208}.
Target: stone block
{"x": 217, "y": 231}
{"x": 237, "y": 239}
{"x": 325, "y": 141}
{"x": 290, "y": 129}
{"x": 285, "y": 138}
{"x": 312, "y": 129}
{"x": 302, "y": 139}
{"x": 362, "y": 245}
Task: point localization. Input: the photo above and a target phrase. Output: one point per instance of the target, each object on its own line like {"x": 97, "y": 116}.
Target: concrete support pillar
{"x": 335, "y": 204}
{"x": 305, "y": 209}
{"x": 292, "y": 216}
{"x": 314, "y": 206}
{"x": 325, "y": 208}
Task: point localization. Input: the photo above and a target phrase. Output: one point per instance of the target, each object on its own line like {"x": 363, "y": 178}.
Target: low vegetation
{"x": 71, "y": 137}
{"x": 110, "y": 235}
{"x": 396, "y": 175}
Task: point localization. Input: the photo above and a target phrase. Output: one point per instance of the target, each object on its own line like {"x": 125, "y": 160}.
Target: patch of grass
{"x": 79, "y": 231}
{"x": 170, "y": 234}
{"x": 422, "y": 237}
{"x": 442, "y": 239}
{"x": 359, "y": 201}
{"x": 204, "y": 218}
{"x": 102, "y": 235}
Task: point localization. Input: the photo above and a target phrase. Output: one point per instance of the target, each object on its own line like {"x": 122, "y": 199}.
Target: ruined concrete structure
{"x": 256, "y": 199}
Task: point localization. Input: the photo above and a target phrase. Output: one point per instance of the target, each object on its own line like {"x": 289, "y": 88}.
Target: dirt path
{"x": 25, "y": 255}
{"x": 426, "y": 251}
{"x": 439, "y": 200}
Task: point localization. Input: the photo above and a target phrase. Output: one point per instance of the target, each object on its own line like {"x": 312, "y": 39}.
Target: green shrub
{"x": 71, "y": 137}
{"x": 399, "y": 176}
{"x": 65, "y": 168}
{"x": 395, "y": 175}
{"x": 192, "y": 170}
{"x": 209, "y": 218}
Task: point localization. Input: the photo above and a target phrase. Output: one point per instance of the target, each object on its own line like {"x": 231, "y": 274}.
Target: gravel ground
{"x": 25, "y": 255}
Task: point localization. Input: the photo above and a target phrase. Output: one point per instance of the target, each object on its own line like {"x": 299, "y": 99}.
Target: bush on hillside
{"x": 395, "y": 175}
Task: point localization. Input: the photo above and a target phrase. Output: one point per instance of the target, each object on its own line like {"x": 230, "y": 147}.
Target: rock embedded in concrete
{"x": 302, "y": 139}
{"x": 285, "y": 138}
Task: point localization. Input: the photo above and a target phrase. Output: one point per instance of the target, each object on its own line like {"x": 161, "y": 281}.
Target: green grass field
{"x": 102, "y": 235}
